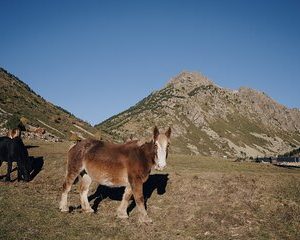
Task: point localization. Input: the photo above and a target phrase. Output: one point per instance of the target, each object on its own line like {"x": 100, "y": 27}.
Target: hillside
{"x": 18, "y": 99}
{"x": 210, "y": 120}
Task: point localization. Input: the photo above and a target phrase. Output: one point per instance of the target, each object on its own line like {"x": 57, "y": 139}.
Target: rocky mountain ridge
{"x": 211, "y": 120}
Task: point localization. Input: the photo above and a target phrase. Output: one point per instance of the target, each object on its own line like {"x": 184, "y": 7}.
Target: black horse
{"x": 14, "y": 150}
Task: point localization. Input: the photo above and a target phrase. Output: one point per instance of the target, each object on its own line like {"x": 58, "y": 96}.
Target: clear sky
{"x": 97, "y": 58}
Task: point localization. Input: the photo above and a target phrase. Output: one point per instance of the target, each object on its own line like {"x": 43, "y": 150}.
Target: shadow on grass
{"x": 35, "y": 165}
{"x": 156, "y": 182}
{"x": 287, "y": 166}
{"x": 31, "y": 146}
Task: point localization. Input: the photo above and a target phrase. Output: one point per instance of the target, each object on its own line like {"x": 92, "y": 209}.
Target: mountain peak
{"x": 189, "y": 80}
{"x": 210, "y": 120}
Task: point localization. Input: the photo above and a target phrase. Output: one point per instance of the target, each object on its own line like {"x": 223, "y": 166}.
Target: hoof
{"x": 122, "y": 215}
{"x": 64, "y": 209}
{"x": 145, "y": 219}
{"x": 89, "y": 210}
{"x": 7, "y": 179}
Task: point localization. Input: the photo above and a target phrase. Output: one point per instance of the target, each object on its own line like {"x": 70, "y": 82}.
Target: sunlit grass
{"x": 205, "y": 198}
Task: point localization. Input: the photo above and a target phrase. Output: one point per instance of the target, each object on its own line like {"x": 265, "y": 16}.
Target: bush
{"x": 14, "y": 122}
{"x": 98, "y": 135}
{"x": 74, "y": 137}
{"x": 24, "y": 120}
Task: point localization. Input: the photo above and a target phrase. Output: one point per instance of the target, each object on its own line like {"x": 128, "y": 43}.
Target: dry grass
{"x": 205, "y": 198}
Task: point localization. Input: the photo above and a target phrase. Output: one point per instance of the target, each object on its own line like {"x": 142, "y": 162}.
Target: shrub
{"x": 74, "y": 137}
{"x": 14, "y": 122}
{"x": 24, "y": 120}
{"x": 98, "y": 135}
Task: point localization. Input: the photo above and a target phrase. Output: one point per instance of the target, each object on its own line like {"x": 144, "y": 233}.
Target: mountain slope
{"x": 18, "y": 99}
{"x": 210, "y": 120}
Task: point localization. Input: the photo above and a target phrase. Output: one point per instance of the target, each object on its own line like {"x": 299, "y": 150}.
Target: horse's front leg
{"x": 19, "y": 173}
{"x": 122, "y": 209}
{"x": 9, "y": 168}
{"x": 23, "y": 173}
{"x": 137, "y": 189}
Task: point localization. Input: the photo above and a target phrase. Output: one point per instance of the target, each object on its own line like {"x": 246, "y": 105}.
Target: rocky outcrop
{"x": 38, "y": 134}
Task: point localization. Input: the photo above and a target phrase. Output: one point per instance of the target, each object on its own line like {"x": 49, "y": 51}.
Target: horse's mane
{"x": 131, "y": 142}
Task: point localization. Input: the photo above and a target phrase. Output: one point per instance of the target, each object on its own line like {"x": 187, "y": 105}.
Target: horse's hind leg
{"x": 122, "y": 209}
{"x": 74, "y": 167}
{"x": 84, "y": 189}
{"x": 70, "y": 178}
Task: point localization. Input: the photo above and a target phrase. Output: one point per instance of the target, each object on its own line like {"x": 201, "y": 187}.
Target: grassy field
{"x": 200, "y": 198}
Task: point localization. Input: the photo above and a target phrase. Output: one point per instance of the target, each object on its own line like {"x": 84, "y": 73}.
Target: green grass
{"x": 205, "y": 198}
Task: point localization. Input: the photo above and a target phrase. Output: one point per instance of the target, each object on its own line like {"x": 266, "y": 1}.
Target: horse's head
{"x": 162, "y": 142}
{"x": 13, "y": 133}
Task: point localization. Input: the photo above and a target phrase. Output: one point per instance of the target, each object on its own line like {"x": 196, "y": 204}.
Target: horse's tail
{"x": 75, "y": 159}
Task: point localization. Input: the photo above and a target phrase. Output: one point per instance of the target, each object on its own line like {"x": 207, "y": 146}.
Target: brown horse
{"x": 115, "y": 165}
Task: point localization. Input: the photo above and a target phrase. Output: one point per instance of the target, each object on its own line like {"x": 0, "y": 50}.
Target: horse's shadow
{"x": 155, "y": 182}
{"x": 35, "y": 166}
{"x": 31, "y": 146}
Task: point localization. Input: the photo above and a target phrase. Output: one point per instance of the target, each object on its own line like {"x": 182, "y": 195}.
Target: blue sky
{"x": 97, "y": 58}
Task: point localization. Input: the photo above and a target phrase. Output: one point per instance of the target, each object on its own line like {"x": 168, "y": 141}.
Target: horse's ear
{"x": 168, "y": 132}
{"x": 155, "y": 133}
